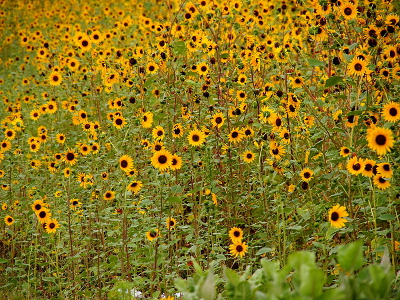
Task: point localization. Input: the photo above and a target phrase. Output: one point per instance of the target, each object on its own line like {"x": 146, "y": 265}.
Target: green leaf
{"x": 243, "y": 291}
{"x": 264, "y": 250}
{"x": 350, "y": 256}
{"x": 387, "y": 217}
{"x": 3, "y": 260}
{"x": 207, "y": 290}
{"x": 49, "y": 279}
{"x": 315, "y": 63}
{"x": 355, "y": 113}
{"x": 179, "y": 48}
{"x": 174, "y": 199}
{"x": 176, "y": 189}
{"x": 333, "y": 80}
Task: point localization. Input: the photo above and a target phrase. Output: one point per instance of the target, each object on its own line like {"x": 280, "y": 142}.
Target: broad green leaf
{"x": 315, "y": 63}
{"x": 3, "y": 260}
{"x": 333, "y": 80}
{"x": 350, "y": 256}
{"x": 387, "y": 217}
{"x": 264, "y": 250}
{"x": 174, "y": 199}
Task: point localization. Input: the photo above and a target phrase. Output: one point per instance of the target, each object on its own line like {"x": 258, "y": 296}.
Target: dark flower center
{"x": 334, "y": 216}
{"x": 249, "y": 155}
{"x": 85, "y": 43}
{"x": 38, "y": 207}
{"x": 70, "y": 156}
{"x": 174, "y": 162}
{"x": 118, "y": 122}
{"x": 153, "y": 234}
{"x": 218, "y": 120}
{"x": 162, "y": 159}
{"x": 386, "y": 167}
{"x": 195, "y": 138}
{"x": 55, "y": 78}
{"x": 358, "y": 67}
{"x": 239, "y": 248}
{"x": 347, "y": 11}
{"x": 307, "y": 175}
{"x": 42, "y": 214}
{"x": 380, "y": 140}
{"x": 52, "y": 225}
{"x": 356, "y": 167}
{"x": 124, "y": 164}
{"x": 382, "y": 180}
{"x": 368, "y": 167}
{"x": 236, "y": 233}
{"x": 275, "y": 151}
{"x": 235, "y": 134}
{"x": 393, "y": 112}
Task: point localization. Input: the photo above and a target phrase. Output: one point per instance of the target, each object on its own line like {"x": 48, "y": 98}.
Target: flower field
{"x": 162, "y": 149}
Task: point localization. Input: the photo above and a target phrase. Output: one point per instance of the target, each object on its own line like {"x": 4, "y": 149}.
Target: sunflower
{"x": 9, "y": 220}
{"x": 104, "y": 175}
{"x": 235, "y": 136}
{"x": 119, "y": 122}
{"x": 126, "y": 163}
{"x": 70, "y": 157}
{"x": 285, "y": 136}
{"x": 385, "y": 170}
{"x": 170, "y": 223}
{"x": 348, "y": 11}
{"x": 381, "y": 182}
{"x": 336, "y": 216}
{"x": 176, "y": 163}
{"x": 202, "y": 69}
{"x": 196, "y": 137}
{"x": 357, "y": 66}
{"x": 52, "y": 225}
{"x": 134, "y": 186}
{"x": 85, "y": 149}
{"x": 380, "y": 139}
{"x": 177, "y": 131}
{"x": 152, "y": 234}
{"x": 55, "y": 78}
{"x": 5, "y": 146}
{"x": 158, "y": 133}
{"x": 43, "y": 215}
{"x": 344, "y": 151}
{"x": 151, "y": 68}
{"x": 74, "y": 204}
{"x": 38, "y": 205}
{"x": 60, "y": 137}
{"x": 9, "y": 134}
{"x": 306, "y": 174}
{"x": 238, "y": 248}
{"x": 218, "y": 120}
{"x": 157, "y": 146}
{"x": 368, "y": 168}
{"x": 248, "y": 132}
{"x": 355, "y": 166}
{"x": 162, "y": 160}
{"x": 147, "y": 119}
{"x": 109, "y": 195}
{"x": 248, "y": 156}
{"x": 391, "y": 112}
{"x": 236, "y": 234}
{"x": 276, "y": 150}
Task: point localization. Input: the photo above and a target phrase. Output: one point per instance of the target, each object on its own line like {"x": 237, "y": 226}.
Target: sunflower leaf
{"x": 350, "y": 256}
{"x": 387, "y": 217}
{"x": 315, "y": 63}
{"x": 334, "y": 80}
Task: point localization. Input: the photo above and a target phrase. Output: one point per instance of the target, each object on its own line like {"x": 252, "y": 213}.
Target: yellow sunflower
{"x": 381, "y": 182}
{"x": 355, "y": 166}
{"x": 126, "y": 163}
{"x": 170, "y": 223}
{"x": 196, "y": 137}
{"x": 152, "y": 234}
{"x": 336, "y": 216}
{"x": 55, "y": 78}
{"x": 236, "y": 234}
{"x": 52, "y": 225}
{"x": 135, "y": 186}
{"x": 248, "y": 156}
{"x": 176, "y": 163}
{"x": 218, "y": 120}
{"x": 357, "y": 67}
{"x": 162, "y": 160}
{"x": 238, "y": 248}
{"x": 380, "y": 139}
{"x": 391, "y": 112}
{"x": 306, "y": 174}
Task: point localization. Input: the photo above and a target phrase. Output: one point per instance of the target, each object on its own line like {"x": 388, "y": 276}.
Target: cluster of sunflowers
{"x": 129, "y": 115}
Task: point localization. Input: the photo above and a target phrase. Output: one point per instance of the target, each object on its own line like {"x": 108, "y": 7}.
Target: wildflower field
{"x": 200, "y": 149}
